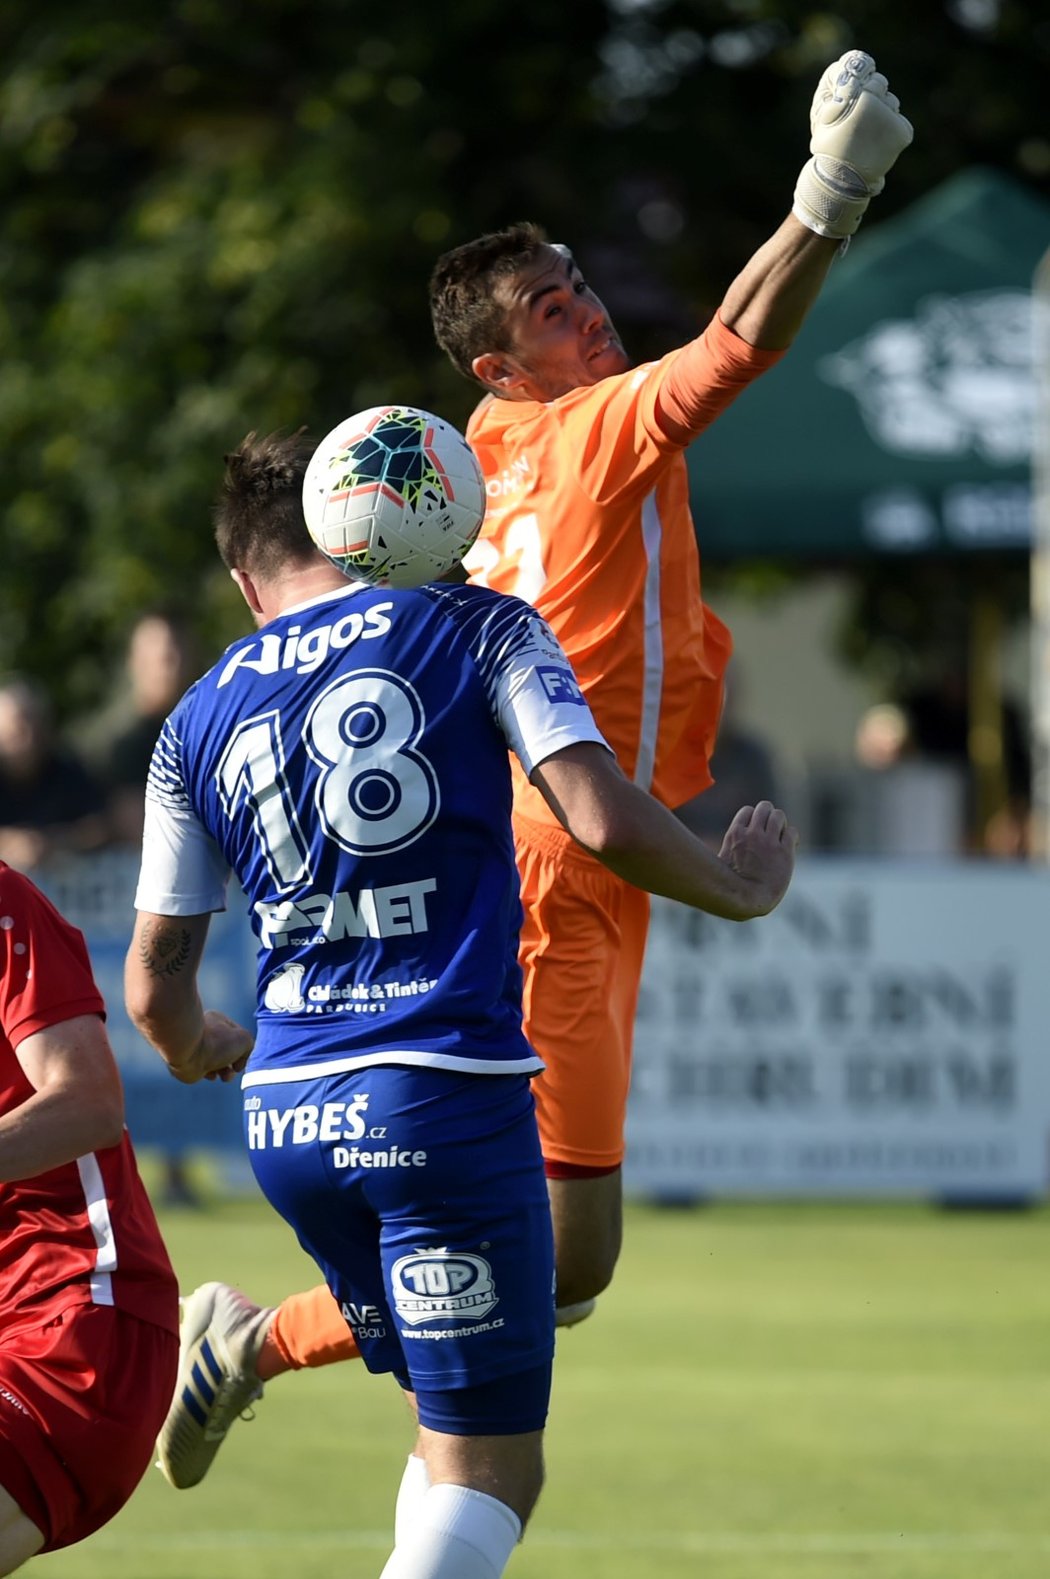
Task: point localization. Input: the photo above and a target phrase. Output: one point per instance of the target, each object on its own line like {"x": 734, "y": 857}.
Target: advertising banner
{"x": 883, "y": 1033}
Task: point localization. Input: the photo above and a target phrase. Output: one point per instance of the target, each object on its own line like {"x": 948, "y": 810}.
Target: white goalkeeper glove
{"x": 858, "y": 131}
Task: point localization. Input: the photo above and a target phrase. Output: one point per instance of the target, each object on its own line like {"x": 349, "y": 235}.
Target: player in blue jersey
{"x": 349, "y": 764}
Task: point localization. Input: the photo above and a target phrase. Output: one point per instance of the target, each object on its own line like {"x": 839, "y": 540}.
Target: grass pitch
{"x": 767, "y": 1392}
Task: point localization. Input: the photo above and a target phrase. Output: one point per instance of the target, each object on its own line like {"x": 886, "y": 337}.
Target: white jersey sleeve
{"x": 537, "y": 697}
{"x": 183, "y": 872}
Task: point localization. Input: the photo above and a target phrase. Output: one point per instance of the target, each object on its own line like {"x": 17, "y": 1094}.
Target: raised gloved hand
{"x": 857, "y": 133}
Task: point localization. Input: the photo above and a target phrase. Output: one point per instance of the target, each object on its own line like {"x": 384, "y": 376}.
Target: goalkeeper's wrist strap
{"x": 830, "y": 197}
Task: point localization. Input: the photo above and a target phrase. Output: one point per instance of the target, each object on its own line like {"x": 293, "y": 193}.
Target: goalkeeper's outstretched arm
{"x": 856, "y": 134}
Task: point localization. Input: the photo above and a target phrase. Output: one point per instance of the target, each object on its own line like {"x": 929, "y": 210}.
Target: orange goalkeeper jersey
{"x": 588, "y": 519}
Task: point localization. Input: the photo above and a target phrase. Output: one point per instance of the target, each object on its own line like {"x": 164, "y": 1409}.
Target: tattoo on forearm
{"x": 164, "y": 951}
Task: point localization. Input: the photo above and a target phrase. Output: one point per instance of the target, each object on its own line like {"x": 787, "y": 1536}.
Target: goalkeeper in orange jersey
{"x": 588, "y": 519}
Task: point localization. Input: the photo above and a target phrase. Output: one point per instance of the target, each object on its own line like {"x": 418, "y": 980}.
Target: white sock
{"x": 415, "y": 1483}
{"x": 457, "y": 1534}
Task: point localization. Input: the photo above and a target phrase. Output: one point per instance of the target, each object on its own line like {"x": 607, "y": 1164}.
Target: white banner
{"x": 884, "y": 1032}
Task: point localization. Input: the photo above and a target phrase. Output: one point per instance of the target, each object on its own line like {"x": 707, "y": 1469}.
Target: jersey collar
{"x": 330, "y": 597}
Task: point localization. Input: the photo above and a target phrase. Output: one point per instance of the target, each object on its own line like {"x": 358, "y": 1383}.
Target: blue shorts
{"x": 421, "y": 1195}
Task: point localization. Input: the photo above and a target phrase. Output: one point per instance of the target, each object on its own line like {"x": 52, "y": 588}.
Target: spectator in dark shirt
{"x": 160, "y": 665}
{"x": 49, "y": 801}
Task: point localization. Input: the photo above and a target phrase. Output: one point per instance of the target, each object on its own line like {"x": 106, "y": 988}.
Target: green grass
{"x": 767, "y": 1392}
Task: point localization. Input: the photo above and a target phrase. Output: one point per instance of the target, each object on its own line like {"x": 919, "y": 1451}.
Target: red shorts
{"x": 82, "y": 1399}
{"x": 582, "y": 950}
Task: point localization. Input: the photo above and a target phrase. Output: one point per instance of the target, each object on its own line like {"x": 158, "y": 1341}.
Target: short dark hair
{"x": 258, "y": 515}
{"x": 467, "y": 319}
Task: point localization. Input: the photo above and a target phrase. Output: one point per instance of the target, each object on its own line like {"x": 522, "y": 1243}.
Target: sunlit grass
{"x": 767, "y": 1392}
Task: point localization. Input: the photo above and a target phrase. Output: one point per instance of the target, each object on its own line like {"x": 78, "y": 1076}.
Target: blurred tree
{"x": 221, "y": 215}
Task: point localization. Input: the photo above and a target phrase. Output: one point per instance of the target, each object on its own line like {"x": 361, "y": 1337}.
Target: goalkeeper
{"x": 590, "y": 522}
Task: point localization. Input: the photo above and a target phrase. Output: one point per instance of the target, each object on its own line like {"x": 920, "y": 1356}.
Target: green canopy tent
{"x": 902, "y": 420}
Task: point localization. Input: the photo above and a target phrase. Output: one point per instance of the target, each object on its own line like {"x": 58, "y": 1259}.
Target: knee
{"x": 509, "y": 1469}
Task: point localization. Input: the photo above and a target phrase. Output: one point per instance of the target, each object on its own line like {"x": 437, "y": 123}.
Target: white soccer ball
{"x": 394, "y": 496}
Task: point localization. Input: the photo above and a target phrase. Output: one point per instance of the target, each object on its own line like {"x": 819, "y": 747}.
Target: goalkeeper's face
{"x": 561, "y": 336}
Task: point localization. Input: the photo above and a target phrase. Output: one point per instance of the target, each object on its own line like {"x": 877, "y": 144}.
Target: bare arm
{"x": 644, "y": 843}
{"x": 856, "y": 134}
{"x": 770, "y": 297}
{"x": 762, "y": 312}
{"x": 160, "y": 993}
{"x": 77, "y": 1104}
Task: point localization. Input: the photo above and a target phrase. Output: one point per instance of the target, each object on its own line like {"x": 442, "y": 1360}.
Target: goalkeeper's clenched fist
{"x": 858, "y": 131}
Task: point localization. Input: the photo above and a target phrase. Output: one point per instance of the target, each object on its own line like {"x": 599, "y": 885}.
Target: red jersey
{"x": 588, "y": 519}
{"x": 83, "y": 1233}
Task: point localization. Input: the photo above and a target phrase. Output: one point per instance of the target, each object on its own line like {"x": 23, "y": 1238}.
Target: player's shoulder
{"x": 491, "y": 622}
{"x": 597, "y": 422}
{"x": 22, "y": 901}
{"x": 470, "y": 606}
{"x": 16, "y": 889}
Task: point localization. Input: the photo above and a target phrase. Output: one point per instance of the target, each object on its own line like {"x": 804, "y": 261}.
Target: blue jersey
{"x": 349, "y": 764}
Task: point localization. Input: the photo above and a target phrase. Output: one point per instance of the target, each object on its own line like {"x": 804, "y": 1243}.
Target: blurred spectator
{"x": 941, "y": 725}
{"x": 930, "y": 725}
{"x": 50, "y": 803}
{"x": 159, "y": 665}
{"x": 883, "y": 736}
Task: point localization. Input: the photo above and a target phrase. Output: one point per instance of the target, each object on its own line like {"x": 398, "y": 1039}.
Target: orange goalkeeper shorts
{"x": 582, "y": 949}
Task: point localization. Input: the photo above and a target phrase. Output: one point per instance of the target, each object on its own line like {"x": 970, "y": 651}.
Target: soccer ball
{"x": 394, "y": 496}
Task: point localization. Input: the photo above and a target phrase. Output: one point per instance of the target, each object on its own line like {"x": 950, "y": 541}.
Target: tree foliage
{"x": 221, "y": 215}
